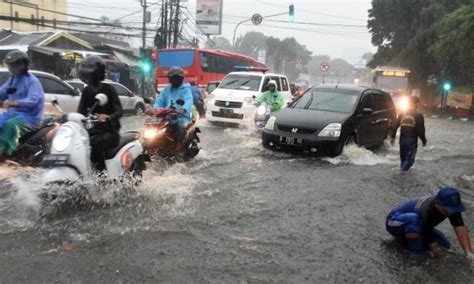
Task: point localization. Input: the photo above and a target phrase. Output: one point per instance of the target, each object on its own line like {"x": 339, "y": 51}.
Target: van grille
{"x": 228, "y": 104}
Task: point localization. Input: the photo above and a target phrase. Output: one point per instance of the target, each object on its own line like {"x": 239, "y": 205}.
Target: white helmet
{"x": 272, "y": 82}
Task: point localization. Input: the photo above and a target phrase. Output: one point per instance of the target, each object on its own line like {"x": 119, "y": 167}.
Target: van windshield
{"x": 241, "y": 82}
{"x": 332, "y": 100}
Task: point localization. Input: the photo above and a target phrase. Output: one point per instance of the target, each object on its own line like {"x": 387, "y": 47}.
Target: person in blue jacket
{"x": 414, "y": 222}
{"x": 177, "y": 95}
{"x": 412, "y": 128}
{"x": 23, "y": 100}
{"x": 198, "y": 98}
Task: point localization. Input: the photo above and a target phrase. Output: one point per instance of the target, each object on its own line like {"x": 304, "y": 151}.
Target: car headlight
{"x": 63, "y": 138}
{"x": 271, "y": 123}
{"x": 261, "y": 110}
{"x": 248, "y": 100}
{"x": 331, "y": 130}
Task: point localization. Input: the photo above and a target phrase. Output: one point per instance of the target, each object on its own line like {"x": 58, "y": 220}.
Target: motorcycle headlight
{"x": 271, "y": 123}
{"x": 261, "y": 110}
{"x": 331, "y": 130}
{"x": 404, "y": 104}
{"x": 63, "y": 138}
{"x": 150, "y": 133}
{"x": 248, "y": 100}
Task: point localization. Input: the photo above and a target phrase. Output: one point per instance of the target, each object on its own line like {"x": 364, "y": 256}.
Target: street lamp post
{"x": 248, "y": 20}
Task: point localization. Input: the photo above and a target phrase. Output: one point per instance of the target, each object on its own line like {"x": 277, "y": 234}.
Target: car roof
{"x": 36, "y": 72}
{"x": 347, "y": 87}
{"x": 255, "y": 73}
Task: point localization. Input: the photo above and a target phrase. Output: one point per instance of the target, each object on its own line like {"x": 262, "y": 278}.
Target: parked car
{"x": 131, "y": 103}
{"x": 326, "y": 118}
{"x": 54, "y": 88}
{"x": 233, "y": 100}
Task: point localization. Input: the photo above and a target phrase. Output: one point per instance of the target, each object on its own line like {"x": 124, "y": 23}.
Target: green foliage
{"x": 405, "y": 32}
{"x": 454, "y": 51}
{"x": 283, "y": 56}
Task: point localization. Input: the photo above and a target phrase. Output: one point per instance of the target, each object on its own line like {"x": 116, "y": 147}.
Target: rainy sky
{"x": 336, "y": 28}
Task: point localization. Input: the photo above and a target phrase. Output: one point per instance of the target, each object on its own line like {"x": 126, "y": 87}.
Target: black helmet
{"x": 176, "y": 71}
{"x": 17, "y": 56}
{"x": 92, "y": 70}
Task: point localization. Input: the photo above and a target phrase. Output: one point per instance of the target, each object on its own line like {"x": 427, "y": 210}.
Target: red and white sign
{"x": 324, "y": 66}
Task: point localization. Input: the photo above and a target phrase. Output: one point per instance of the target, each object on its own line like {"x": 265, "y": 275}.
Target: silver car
{"x": 54, "y": 88}
{"x": 131, "y": 103}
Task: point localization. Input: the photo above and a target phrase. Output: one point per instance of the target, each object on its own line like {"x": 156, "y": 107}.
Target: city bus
{"x": 395, "y": 81}
{"x": 201, "y": 65}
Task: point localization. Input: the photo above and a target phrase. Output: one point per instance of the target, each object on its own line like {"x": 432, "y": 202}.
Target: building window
{"x": 16, "y": 16}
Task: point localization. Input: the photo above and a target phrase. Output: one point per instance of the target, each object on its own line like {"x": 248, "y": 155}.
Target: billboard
{"x": 460, "y": 100}
{"x": 209, "y": 16}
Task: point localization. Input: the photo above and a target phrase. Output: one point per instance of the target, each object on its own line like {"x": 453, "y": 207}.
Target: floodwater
{"x": 240, "y": 213}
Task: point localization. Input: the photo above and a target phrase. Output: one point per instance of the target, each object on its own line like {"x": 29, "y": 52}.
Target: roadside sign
{"x": 324, "y": 66}
{"x": 257, "y": 19}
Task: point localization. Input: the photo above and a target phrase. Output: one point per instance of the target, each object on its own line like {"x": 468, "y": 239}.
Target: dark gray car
{"x": 326, "y": 118}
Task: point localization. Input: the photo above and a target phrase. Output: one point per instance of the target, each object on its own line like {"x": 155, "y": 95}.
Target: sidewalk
{"x": 448, "y": 113}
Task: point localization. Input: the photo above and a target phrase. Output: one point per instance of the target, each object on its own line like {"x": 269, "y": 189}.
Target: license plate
{"x": 55, "y": 160}
{"x": 226, "y": 110}
{"x": 291, "y": 141}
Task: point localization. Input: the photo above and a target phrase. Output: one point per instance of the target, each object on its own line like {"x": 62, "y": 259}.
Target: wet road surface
{"x": 241, "y": 214}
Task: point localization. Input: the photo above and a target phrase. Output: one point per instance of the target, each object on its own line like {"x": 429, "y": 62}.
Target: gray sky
{"x": 348, "y": 43}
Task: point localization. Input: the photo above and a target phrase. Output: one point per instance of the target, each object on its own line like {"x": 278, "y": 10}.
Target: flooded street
{"x": 239, "y": 213}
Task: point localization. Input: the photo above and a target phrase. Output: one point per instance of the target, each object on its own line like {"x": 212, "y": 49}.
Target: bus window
{"x": 183, "y": 58}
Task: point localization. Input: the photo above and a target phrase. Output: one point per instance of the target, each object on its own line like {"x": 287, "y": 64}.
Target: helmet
{"x": 272, "y": 82}
{"x": 176, "y": 71}
{"x": 92, "y": 70}
{"x": 17, "y": 56}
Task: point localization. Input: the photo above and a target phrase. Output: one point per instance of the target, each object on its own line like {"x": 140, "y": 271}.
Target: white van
{"x": 232, "y": 101}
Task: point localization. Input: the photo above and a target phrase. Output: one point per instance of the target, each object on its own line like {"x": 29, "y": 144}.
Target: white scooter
{"x": 69, "y": 159}
{"x": 262, "y": 115}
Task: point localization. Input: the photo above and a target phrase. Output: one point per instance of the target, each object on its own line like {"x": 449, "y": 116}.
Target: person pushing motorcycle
{"x": 272, "y": 98}
{"x": 177, "y": 95}
{"x": 105, "y": 134}
{"x": 23, "y": 100}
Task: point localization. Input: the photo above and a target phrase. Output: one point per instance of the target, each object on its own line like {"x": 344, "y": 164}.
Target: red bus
{"x": 202, "y": 65}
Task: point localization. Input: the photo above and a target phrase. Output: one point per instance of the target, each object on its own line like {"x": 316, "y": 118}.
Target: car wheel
{"x": 336, "y": 151}
{"x": 139, "y": 109}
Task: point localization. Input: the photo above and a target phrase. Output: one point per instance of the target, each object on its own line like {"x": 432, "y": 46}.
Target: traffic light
{"x": 146, "y": 61}
{"x": 291, "y": 13}
{"x": 447, "y": 86}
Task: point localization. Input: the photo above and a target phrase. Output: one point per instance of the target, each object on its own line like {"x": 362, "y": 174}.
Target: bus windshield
{"x": 170, "y": 58}
{"x": 392, "y": 83}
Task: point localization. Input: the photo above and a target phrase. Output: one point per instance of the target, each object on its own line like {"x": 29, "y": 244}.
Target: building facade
{"x": 42, "y": 14}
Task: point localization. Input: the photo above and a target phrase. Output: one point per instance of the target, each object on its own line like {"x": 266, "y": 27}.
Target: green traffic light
{"x": 291, "y": 13}
{"x": 447, "y": 86}
{"x": 146, "y": 67}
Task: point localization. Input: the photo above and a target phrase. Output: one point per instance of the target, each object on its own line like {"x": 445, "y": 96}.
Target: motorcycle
{"x": 34, "y": 145}
{"x": 159, "y": 139}
{"x": 69, "y": 158}
{"x": 262, "y": 115}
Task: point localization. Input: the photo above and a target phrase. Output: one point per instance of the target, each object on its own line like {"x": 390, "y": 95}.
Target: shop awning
{"x": 123, "y": 57}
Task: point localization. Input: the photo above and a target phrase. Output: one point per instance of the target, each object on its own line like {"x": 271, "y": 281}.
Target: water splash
{"x": 362, "y": 157}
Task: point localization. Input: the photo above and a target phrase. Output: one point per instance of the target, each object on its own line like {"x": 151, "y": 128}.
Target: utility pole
{"x": 165, "y": 26}
{"x": 176, "y": 25}
{"x": 142, "y": 52}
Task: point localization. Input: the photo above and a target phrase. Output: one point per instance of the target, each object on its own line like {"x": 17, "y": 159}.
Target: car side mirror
{"x": 55, "y": 101}
{"x": 147, "y": 100}
{"x": 367, "y": 110}
{"x": 254, "y": 97}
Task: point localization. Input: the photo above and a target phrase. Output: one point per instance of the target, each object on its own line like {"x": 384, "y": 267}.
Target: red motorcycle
{"x": 159, "y": 137}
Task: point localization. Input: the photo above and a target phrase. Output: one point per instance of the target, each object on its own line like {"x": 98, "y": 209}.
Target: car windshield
{"x": 333, "y": 100}
{"x": 241, "y": 82}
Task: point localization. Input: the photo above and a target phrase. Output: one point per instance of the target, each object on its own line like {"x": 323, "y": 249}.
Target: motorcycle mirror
{"x": 254, "y": 97}
{"x": 102, "y": 99}
{"x": 180, "y": 102}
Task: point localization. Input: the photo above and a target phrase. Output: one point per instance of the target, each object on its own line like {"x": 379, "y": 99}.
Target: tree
{"x": 454, "y": 51}
{"x": 219, "y": 43}
{"x": 404, "y": 31}
{"x": 250, "y": 44}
